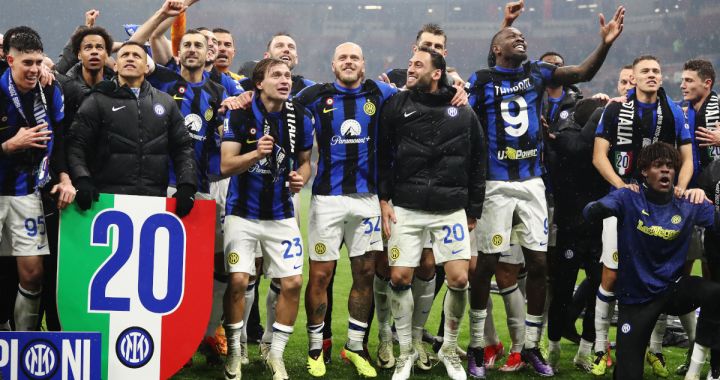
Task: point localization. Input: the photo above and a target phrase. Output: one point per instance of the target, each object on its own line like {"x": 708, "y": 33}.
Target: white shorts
{"x": 448, "y": 229}
{"x": 280, "y": 241}
{"x": 22, "y": 226}
{"x": 512, "y": 256}
{"x": 523, "y": 201}
{"x": 609, "y": 256}
{"x": 353, "y": 219}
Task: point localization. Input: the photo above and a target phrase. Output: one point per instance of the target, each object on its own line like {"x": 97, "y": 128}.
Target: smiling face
{"x": 647, "y": 76}
{"x": 421, "y": 74}
{"x": 131, "y": 63}
{"x": 193, "y": 51}
{"x": 277, "y": 83}
{"x": 510, "y": 45}
{"x": 25, "y": 68}
{"x": 349, "y": 65}
{"x": 212, "y": 45}
{"x": 93, "y": 52}
{"x": 284, "y": 49}
{"x": 693, "y": 87}
{"x": 659, "y": 175}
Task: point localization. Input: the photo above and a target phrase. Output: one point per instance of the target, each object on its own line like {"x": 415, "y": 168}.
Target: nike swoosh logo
{"x": 457, "y": 251}
{"x": 542, "y": 244}
{"x": 644, "y": 212}
{"x": 250, "y": 141}
{"x": 373, "y": 242}
{"x": 178, "y": 97}
{"x": 41, "y": 246}
{"x": 409, "y": 113}
{"x": 297, "y": 266}
{"x": 325, "y": 110}
{"x": 118, "y": 108}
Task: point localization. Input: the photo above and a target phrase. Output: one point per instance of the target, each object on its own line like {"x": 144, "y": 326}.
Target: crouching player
{"x": 654, "y": 231}
{"x": 258, "y": 150}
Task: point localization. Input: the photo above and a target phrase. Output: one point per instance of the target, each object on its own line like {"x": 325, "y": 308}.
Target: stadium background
{"x": 672, "y": 30}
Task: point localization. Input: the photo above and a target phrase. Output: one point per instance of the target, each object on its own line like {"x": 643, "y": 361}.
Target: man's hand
{"x": 708, "y": 137}
{"x": 65, "y": 191}
{"x": 472, "y": 223}
{"x": 229, "y": 104}
{"x": 601, "y": 96}
{"x": 461, "y": 97}
{"x": 185, "y": 196}
{"x": 388, "y": 215}
{"x": 90, "y": 17}
{"x": 611, "y": 31}
{"x": 632, "y": 186}
{"x": 86, "y": 193}
{"x": 172, "y": 8}
{"x": 35, "y": 137}
{"x": 46, "y": 75}
{"x": 695, "y": 196}
{"x": 512, "y": 12}
{"x": 296, "y": 181}
{"x": 265, "y": 146}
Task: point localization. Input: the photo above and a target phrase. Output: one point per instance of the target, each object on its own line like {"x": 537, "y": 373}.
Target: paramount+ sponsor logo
{"x": 45, "y": 355}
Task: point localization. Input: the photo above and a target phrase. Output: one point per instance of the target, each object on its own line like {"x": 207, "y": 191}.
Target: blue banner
{"x": 50, "y": 355}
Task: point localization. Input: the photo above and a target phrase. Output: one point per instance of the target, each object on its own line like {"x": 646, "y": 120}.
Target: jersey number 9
{"x": 517, "y": 118}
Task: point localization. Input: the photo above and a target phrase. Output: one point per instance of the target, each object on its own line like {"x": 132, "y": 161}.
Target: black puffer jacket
{"x": 432, "y": 155}
{"x": 125, "y": 144}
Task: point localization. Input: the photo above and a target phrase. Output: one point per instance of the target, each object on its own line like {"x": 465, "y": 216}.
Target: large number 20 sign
{"x": 124, "y": 268}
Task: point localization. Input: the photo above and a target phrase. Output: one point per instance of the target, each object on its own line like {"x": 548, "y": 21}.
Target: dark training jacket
{"x": 125, "y": 144}
{"x": 432, "y": 155}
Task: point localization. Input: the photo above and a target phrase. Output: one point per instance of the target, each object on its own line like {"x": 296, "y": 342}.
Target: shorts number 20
{"x": 99, "y": 301}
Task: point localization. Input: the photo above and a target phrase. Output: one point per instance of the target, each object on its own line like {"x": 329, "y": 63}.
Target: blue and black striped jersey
{"x": 198, "y": 103}
{"x": 509, "y": 104}
{"x": 261, "y": 192}
{"x": 19, "y": 171}
{"x": 346, "y": 128}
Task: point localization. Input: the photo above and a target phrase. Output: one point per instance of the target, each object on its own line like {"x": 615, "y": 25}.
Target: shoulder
{"x": 385, "y": 89}
{"x": 214, "y": 88}
{"x": 310, "y": 94}
{"x": 240, "y": 116}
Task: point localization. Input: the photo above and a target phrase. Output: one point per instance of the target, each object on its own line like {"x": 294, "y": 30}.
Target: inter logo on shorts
{"x": 394, "y": 253}
{"x": 39, "y": 359}
{"x": 233, "y": 258}
{"x": 320, "y": 248}
{"x": 625, "y": 328}
{"x": 497, "y": 240}
{"x": 615, "y": 256}
{"x": 676, "y": 219}
{"x": 134, "y": 347}
{"x": 369, "y": 108}
{"x": 569, "y": 254}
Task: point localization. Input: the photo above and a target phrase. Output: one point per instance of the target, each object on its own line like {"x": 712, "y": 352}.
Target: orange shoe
{"x": 493, "y": 353}
{"x": 514, "y": 363}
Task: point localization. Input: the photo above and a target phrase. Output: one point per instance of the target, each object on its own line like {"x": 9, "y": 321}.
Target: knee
{"x": 457, "y": 280}
{"x": 291, "y": 285}
{"x": 400, "y": 278}
{"x": 319, "y": 278}
{"x": 237, "y": 282}
{"x": 31, "y": 278}
{"x": 537, "y": 267}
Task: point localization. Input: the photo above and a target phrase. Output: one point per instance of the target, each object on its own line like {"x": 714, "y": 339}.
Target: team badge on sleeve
{"x": 133, "y": 271}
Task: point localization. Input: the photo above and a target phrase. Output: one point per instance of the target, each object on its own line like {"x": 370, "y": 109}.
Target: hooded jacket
{"x": 125, "y": 143}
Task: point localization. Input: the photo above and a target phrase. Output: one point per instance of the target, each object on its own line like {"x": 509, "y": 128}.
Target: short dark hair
{"x": 646, "y": 57}
{"x": 278, "y": 34}
{"x": 432, "y": 29}
{"x": 438, "y": 62}
{"x": 221, "y": 30}
{"x": 22, "y": 38}
{"x": 195, "y": 31}
{"x": 658, "y": 151}
{"x": 258, "y": 74}
{"x": 703, "y": 68}
{"x": 80, "y": 34}
{"x": 627, "y": 67}
{"x": 552, "y": 53}
{"x": 133, "y": 43}
{"x": 203, "y": 29}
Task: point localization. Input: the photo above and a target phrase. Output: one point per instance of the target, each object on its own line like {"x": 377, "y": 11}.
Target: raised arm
{"x": 513, "y": 10}
{"x": 585, "y": 71}
{"x": 150, "y": 28}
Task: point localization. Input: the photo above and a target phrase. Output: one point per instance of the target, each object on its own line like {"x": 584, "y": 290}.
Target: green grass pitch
{"x": 296, "y": 352}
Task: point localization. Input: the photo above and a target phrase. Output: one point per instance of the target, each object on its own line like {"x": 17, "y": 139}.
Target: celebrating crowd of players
{"x": 424, "y": 178}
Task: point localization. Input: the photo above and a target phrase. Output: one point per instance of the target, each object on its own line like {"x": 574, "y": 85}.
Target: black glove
{"x": 86, "y": 193}
{"x": 185, "y": 196}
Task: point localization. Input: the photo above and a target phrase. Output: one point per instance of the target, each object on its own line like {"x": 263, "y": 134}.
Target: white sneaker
{"x": 423, "y": 361}
{"x": 453, "y": 365}
{"x": 244, "y": 358}
{"x": 264, "y": 350}
{"x": 277, "y": 366}
{"x": 713, "y": 375}
{"x": 584, "y": 362}
{"x": 385, "y": 355}
{"x": 232, "y": 367}
{"x": 404, "y": 366}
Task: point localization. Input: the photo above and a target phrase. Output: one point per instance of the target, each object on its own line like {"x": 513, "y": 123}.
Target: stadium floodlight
{"x": 373, "y": 7}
